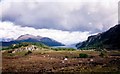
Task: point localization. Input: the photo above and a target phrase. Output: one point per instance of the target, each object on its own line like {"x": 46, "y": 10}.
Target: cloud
{"x": 119, "y": 12}
{"x": 95, "y": 16}
{"x": 11, "y": 30}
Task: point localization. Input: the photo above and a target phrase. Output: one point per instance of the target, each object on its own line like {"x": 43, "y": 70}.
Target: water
{"x": 67, "y": 46}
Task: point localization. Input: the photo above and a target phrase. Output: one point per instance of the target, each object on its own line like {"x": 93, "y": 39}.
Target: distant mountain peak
{"x": 28, "y": 36}
{"x": 31, "y": 38}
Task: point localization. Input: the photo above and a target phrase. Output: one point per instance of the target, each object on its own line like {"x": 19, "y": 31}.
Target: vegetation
{"x": 24, "y": 44}
{"x": 54, "y": 61}
{"x": 10, "y": 51}
{"x": 14, "y": 46}
{"x": 83, "y": 55}
{"x": 98, "y": 45}
{"x": 28, "y": 52}
{"x": 40, "y": 45}
{"x": 66, "y": 57}
{"x": 103, "y": 54}
{"x": 63, "y": 49}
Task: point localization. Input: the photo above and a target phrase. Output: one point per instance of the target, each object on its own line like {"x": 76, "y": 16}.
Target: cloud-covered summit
{"x": 68, "y": 16}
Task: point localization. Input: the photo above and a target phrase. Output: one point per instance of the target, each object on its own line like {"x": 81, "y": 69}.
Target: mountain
{"x": 6, "y": 39}
{"x": 109, "y": 39}
{"x": 50, "y": 42}
{"x": 31, "y": 38}
{"x": 27, "y": 36}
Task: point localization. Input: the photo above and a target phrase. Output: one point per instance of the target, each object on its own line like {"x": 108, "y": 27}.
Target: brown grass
{"x": 53, "y": 61}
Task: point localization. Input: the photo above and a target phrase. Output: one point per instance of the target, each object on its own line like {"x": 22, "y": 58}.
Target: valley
{"x": 36, "y": 54}
{"x": 60, "y": 37}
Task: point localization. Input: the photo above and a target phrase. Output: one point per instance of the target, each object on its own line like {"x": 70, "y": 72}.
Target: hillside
{"x": 109, "y": 39}
{"x": 25, "y": 46}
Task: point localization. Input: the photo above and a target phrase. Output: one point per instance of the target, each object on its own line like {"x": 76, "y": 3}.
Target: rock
{"x": 13, "y": 52}
{"x": 66, "y": 59}
{"x": 28, "y": 48}
{"x": 51, "y": 58}
{"x": 91, "y": 60}
{"x": 63, "y": 61}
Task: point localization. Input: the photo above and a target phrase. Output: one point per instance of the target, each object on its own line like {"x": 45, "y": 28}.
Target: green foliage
{"x": 14, "y": 46}
{"x": 85, "y": 48}
{"x": 103, "y": 54}
{"x": 24, "y": 44}
{"x": 96, "y": 45}
{"x": 66, "y": 56}
{"x": 83, "y": 55}
{"x": 11, "y": 54}
{"x": 10, "y": 51}
{"x": 40, "y": 45}
{"x": 63, "y": 49}
{"x": 5, "y": 48}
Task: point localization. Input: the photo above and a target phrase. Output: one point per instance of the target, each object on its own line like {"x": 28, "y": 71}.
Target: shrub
{"x": 9, "y": 51}
{"x": 82, "y": 55}
{"x": 28, "y": 52}
{"x": 63, "y": 49}
{"x": 102, "y": 54}
{"x": 11, "y": 54}
{"x": 66, "y": 56}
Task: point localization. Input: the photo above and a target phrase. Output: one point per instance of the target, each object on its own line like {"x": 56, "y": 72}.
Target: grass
{"x": 63, "y": 49}
{"x": 60, "y": 52}
{"x": 24, "y": 44}
{"x": 51, "y": 60}
{"x": 83, "y": 55}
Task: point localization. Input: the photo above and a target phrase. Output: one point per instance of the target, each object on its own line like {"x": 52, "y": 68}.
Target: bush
{"x": 63, "y": 49}
{"x": 24, "y": 44}
{"x": 66, "y": 56}
{"x": 40, "y": 45}
{"x": 11, "y": 54}
{"x": 82, "y": 55}
{"x": 102, "y": 54}
{"x": 10, "y": 51}
{"x": 28, "y": 52}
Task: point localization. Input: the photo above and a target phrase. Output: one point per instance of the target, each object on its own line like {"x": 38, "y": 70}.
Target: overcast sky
{"x": 66, "y": 21}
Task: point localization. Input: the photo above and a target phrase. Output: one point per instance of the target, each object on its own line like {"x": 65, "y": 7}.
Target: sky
{"x": 67, "y": 21}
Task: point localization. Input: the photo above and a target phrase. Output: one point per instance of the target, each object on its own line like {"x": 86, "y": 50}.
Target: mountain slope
{"x": 30, "y": 38}
{"x": 50, "y": 42}
{"x": 109, "y": 39}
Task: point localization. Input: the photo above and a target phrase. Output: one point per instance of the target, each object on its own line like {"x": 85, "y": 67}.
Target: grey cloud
{"x": 119, "y": 12}
{"x": 62, "y": 16}
{"x": 86, "y": 18}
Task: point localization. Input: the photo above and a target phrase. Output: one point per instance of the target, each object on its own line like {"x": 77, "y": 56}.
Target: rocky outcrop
{"x": 27, "y": 48}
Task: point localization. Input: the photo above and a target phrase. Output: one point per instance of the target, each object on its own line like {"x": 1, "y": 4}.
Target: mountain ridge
{"x": 27, "y": 36}
{"x": 31, "y": 38}
{"x": 109, "y": 39}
